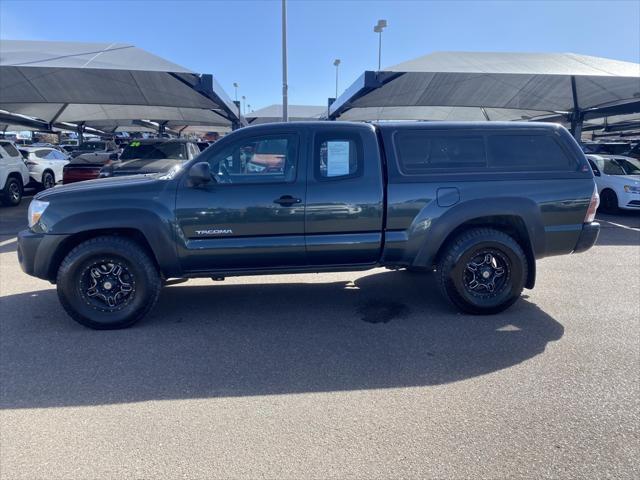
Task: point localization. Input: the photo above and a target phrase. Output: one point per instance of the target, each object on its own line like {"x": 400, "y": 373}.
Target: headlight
{"x": 36, "y": 209}
{"x": 631, "y": 189}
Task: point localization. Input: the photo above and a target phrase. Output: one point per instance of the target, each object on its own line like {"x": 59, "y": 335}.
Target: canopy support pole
{"x": 577, "y": 116}
{"x": 182, "y": 130}
{"x": 235, "y": 122}
{"x": 80, "y": 130}
{"x": 55, "y": 118}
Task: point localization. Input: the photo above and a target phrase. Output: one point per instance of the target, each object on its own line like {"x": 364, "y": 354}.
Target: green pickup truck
{"x": 477, "y": 203}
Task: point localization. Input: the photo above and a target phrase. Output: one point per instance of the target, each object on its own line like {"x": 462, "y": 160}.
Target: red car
{"x": 84, "y": 168}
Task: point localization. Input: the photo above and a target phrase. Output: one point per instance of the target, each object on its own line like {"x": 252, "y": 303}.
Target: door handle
{"x": 287, "y": 200}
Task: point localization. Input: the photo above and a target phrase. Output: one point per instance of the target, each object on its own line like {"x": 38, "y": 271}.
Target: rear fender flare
{"x": 430, "y": 240}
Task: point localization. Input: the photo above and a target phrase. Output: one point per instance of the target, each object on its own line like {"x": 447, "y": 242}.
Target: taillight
{"x": 593, "y": 206}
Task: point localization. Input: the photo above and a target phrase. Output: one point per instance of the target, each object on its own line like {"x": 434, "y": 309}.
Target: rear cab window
{"x": 529, "y": 152}
{"x": 422, "y": 152}
{"x": 427, "y": 151}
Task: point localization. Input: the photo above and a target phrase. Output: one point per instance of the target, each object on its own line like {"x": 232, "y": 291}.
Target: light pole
{"x": 381, "y": 25}
{"x": 249, "y": 107}
{"x": 285, "y": 98}
{"x": 244, "y": 110}
{"x": 336, "y": 63}
{"x": 235, "y": 86}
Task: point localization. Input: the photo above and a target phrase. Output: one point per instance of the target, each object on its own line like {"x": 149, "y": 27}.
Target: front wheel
{"x": 609, "y": 201}
{"x": 108, "y": 283}
{"x": 483, "y": 271}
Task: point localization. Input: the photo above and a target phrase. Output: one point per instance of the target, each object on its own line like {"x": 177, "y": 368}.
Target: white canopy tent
{"x": 83, "y": 82}
{"x": 296, "y": 113}
{"x": 541, "y": 82}
{"x": 447, "y": 114}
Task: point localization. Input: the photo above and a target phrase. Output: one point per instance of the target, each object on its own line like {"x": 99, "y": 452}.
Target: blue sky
{"x": 239, "y": 41}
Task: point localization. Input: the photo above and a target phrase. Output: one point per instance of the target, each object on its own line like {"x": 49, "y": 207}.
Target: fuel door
{"x": 448, "y": 196}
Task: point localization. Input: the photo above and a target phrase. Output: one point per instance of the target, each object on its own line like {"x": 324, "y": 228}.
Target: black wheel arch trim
{"x": 133, "y": 222}
{"x": 425, "y": 244}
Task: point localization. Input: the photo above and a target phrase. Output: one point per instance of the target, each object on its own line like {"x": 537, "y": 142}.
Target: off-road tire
{"x": 452, "y": 271}
{"x": 137, "y": 264}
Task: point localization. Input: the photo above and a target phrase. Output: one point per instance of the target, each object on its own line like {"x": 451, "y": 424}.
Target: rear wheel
{"x": 609, "y": 201}
{"x": 12, "y": 193}
{"x": 108, "y": 283}
{"x": 48, "y": 180}
{"x": 482, "y": 271}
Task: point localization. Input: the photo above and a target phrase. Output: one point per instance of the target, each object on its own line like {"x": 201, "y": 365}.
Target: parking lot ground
{"x": 367, "y": 375}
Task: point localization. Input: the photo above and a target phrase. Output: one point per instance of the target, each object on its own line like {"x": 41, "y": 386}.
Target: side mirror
{"x": 200, "y": 174}
{"x": 596, "y": 172}
{"x": 113, "y": 157}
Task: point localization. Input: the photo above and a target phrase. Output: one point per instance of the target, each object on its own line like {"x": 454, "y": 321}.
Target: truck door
{"x": 252, "y": 214}
{"x": 345, "y": 196}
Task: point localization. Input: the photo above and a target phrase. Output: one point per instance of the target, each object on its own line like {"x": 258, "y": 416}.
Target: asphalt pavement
{"x": 348, "y": 375}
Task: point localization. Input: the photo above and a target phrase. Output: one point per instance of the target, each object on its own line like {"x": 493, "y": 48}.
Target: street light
{"x": 244, "y": 110}
{"x": 336, "y": 63}
{"x": 381, "y": 25}
{"x": 285, "y": 85}
{"x": 235, "y": 86}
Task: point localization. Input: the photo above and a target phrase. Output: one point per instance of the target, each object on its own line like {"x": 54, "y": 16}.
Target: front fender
{"x": 155, "y": 224}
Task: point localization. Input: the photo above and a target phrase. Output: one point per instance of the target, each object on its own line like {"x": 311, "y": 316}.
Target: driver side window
{"x": 265, "y": 159}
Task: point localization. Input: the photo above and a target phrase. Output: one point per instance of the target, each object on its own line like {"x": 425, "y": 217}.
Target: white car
{"x": 14, "y": 174}
{"x": 45, "y": 164}
{"x": 618, "y": 181}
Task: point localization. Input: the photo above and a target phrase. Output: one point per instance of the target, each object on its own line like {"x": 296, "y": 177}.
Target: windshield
{"x": 92, "y": 146}
{"x": 622, "y": 166}
{"x": 154, "y": 151}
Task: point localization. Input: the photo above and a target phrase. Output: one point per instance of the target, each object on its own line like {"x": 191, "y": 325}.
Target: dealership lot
{"x": 366, "y": 374}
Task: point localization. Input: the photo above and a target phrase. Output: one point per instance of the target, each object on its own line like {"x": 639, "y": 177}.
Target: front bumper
{"x": 628, "y": 200}
{"x": 37, "y": 253}
{"x": 588, "y": 237}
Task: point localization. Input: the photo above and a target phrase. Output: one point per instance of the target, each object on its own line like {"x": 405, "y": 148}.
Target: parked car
{"x": 45, "y": 165}
{"x": 67, "y": 147}
{"x": 156, "y": 155}
{"x": 14, "y": 174}
{"x": 634, "y": 151}
{"x": 605, "y": 148}
{"x": 479, "y": 202}
{"x": 97, "y": 150}
{"x": 85, "y": 167}
{"x": 618, "y": 181}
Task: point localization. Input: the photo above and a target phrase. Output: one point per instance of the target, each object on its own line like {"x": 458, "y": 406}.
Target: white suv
{"x": 14, "y": 174}
{"x": 45, "y": 165}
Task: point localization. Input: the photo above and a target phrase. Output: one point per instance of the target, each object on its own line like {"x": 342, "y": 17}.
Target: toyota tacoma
{"x": 477, "y": 203}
